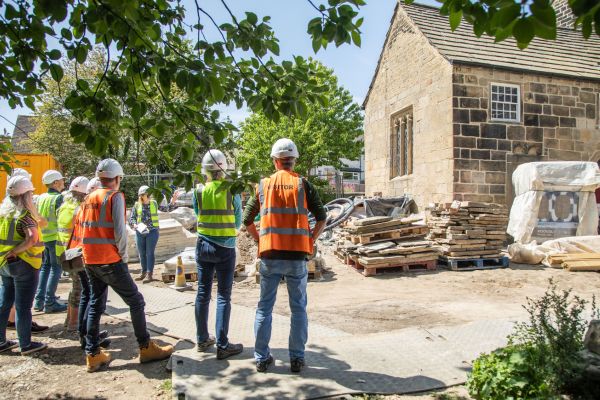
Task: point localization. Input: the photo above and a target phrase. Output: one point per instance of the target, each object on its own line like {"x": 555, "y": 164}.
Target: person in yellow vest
{"x": 20, "y": 261}
{"x": 47, "y": 205}
{"x": 283, "y": 201}
{"x": 103, "y": 236}
{"x": 35, "y": 327}
{"x": 145, "y": 211}
{"x": 64, "y": 221}
{"x": 219, "y": 216}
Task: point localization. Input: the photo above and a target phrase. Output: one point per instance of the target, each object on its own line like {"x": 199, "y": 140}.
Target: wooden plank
{"x": 371, "y": 220}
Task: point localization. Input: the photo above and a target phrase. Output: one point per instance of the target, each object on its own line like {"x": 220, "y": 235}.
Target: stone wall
{"x": 411, "y": 74}
{"x": 558, "y": 122}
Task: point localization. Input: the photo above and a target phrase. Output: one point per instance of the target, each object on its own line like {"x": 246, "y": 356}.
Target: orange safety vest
{"x": 283, "y": 214}
{"x": 97, "y": 228}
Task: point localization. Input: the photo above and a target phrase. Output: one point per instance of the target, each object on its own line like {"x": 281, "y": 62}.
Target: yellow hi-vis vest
{"x": 216, "y": 216}
{"x": 153, "y": 212}
{"x": 10, "y": 238}
{"x": 46, "y": 205}
{"x": 64, "y": 222}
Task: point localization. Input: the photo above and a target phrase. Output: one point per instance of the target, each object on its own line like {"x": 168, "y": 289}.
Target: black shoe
{"x": 230, "y": 350}
{"x": 37, "y": 328}
{"x": 206, "y": 344}
{"x": 262, "y": 366}
{"x": 297, "y": 364}
{"x": 102, "y": 337}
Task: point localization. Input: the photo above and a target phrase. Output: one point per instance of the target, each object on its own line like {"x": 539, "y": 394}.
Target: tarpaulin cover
{"x": 389, "y": 206}
{"x": 568, "y": 185}
{"x": 533, "y": 253}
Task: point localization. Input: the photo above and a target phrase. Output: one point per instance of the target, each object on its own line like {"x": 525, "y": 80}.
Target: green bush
{"x": 542, "y": 359}
{"x": 508, "y": 373}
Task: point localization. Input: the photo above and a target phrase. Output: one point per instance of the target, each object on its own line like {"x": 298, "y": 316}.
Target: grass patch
{"x": 167, "y": 385}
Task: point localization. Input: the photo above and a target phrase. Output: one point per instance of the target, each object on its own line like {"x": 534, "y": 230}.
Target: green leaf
{"x": 65, "y": 33}
{"x": 182, "y": 79}
{"x": 356, "y": 38}
{"x": 54, "y": 54}
{"x": 56, "y": 72}
{"x": 215, "y": 86}
{"x": 316, "y": 44}
{"x": 252, "y": 18}
{"x": 455, "y": 18}
{"x": 81, "y": 54}
{"x": 524, "y": 32}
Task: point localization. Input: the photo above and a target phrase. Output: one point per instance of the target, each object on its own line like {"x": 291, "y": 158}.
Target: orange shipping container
{"x": 36, "y": 165}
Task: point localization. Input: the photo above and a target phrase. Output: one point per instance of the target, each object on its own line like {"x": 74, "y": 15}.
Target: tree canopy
{"x": 522, "y": 19}
{"x": 326, "y": 134}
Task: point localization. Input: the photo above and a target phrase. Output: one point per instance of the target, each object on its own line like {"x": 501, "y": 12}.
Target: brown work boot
{"x": 153, "y": 352}
{"x": 97, "y": 361}
{"x": 141, "y": 277}
{"x": 148, "y": 278}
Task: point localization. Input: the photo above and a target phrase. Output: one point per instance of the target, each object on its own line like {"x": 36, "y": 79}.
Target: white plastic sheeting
{"x": 550, "y": 182}
{"x": 532, "y": 253}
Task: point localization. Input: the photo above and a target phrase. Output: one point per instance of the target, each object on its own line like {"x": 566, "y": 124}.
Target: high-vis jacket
{"x": 97, "y": 228}
{"x": 216, "y": 215}
{"x": 153, "y": 212}
{"x": 46, "y": 204}
{"x": 283, "y": 214}
{"x": 64, "y": 222}
{"x": 10, "y": 238}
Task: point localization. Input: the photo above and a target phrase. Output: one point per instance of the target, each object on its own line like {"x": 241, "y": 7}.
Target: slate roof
{"x": 570, "y": 55}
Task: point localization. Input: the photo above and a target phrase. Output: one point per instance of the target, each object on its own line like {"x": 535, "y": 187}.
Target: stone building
{"x": 450, "y": 116}
{"x": 24, "y": 126}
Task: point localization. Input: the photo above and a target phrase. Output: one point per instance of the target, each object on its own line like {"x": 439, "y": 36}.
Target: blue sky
{"x": 354, "y": 66}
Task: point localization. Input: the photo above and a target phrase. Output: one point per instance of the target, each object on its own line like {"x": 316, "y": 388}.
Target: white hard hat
{"x": 214, "y": 160}
{"x": 284, "y": 148}
{"x": 17, "y": 185}
{"x": 92, "y": 185}
{"x": 19, "y": 172}
{"x": 79, "y": 184}
{"x": 109, "y": 168}
{"x": 51, "y": 176}
{"x": 143, "y": 190}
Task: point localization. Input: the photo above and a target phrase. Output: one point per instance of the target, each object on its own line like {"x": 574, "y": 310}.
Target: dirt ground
{"x": 341, "y": 299}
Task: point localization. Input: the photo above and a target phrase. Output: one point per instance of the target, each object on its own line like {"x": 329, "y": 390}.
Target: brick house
{"x": 450, "y": 116}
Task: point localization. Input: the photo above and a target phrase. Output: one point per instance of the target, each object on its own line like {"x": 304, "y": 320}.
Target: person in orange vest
{"x": 104, "y": 244}
{"x": 285, "y": 240}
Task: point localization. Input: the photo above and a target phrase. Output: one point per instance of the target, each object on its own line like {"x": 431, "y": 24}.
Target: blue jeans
{"x": 271, "y": 272}
{"x": 49, "y": 276}
{"x": 118, "y": 278}
{"x": 146, "y": 244}
{"x": 84, "y": 302}
{"x": 211, "y": 257}
{"x": 19, "y": 281}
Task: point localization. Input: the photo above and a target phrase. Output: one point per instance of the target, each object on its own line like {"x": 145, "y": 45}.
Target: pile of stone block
{"x": 468, "y": 230}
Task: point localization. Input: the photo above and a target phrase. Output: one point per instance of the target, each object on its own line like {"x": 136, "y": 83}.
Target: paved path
{"x": 401, "y": 361}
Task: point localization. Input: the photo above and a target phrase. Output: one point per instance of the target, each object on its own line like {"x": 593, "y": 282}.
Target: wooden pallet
{"x": 189, "y": 277}
{"x": 474, "y": 263}
{"x": 406, "y": 266}
{"x": 400, "y": 233}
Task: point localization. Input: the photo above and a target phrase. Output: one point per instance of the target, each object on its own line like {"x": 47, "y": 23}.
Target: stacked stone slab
{"x": 467, "y": 230}
{"x": 173, "y": 240}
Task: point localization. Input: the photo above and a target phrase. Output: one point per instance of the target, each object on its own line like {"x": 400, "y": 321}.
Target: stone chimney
{"x": 564, "y": 15}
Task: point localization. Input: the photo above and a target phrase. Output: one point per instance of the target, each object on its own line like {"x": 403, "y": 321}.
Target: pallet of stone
{"x": 472, "y": 264}
{"x": 370, "y": 266}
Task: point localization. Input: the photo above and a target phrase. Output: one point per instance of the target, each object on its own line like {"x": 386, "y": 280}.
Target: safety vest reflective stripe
{"x": 153, "y": 212}
{"x": 284, "y": 231}
{"x": 98, "y": 241}
{"x": 216, "y": 225}
{"x": 102, "y": 222}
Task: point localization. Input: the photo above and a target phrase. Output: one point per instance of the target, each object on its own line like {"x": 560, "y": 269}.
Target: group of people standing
{"x": 90, "y": 221}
